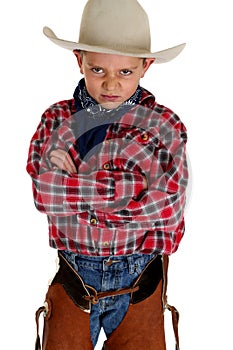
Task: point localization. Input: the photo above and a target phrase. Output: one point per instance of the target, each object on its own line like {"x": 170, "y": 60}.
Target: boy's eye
{"x": 126, "y": 72}
{"x": 97, "y": 70}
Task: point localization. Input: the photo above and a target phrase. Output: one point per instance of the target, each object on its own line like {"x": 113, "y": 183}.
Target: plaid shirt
{"x": 103, "y": 209}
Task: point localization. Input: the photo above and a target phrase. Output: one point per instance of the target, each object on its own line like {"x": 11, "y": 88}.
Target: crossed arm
{"x": 123, "y": 195}
{"x": 63, "y": 161}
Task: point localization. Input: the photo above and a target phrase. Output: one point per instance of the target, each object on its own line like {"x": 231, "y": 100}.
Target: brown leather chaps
{"x": 67, "y": 311}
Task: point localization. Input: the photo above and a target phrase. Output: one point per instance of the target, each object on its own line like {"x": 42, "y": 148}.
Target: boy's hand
{"x": 62, "y": 160}
{"x": 145, "y": 183}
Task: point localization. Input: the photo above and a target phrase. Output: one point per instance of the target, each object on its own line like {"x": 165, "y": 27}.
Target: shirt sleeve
{"x": 161, "y": 206}
{"x": 59, "y": 193}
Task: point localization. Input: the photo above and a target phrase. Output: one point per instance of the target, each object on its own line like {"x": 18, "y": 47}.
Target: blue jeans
{"x": 106, "y": 274}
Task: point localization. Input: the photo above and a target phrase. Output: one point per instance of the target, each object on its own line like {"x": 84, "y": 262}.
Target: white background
{"x": 197, "y": 86}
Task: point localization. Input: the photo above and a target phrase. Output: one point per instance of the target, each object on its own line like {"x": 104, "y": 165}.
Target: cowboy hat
{"x": 115, "y": 27}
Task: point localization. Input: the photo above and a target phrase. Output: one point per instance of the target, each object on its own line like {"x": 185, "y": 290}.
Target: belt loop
{"x": 131, "y": 264}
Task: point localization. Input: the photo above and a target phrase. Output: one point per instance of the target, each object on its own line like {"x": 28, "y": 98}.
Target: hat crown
{"x": 115, "y": 24}
{"x": 118, "y": 27}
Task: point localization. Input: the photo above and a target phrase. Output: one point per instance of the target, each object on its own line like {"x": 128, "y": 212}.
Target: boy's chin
{"x": 111, "y": 105}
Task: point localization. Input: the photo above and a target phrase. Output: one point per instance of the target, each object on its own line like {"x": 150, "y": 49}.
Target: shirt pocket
{"x": 138, "y": 150}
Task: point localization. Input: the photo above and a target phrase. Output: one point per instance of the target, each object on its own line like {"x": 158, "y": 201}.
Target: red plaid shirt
{"x": 103, "y": 209}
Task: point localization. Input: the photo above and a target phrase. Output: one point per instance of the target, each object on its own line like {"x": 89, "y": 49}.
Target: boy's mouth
{"x": 110, "y": 98}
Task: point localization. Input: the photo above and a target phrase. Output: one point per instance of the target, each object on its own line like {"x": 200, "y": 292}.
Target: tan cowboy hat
{"x": 115, "y": 27}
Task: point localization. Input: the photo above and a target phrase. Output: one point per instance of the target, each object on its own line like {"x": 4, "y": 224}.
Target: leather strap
{"x": 175, "y": 321}
{"x": 94, "y": 298}
{"x": 172, "y": 309}
{"x": 38, "y": 313}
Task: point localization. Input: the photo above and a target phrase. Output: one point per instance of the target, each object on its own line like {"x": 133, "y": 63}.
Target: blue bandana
{"x": 92, "y": 120}
{"x": 84, "y": 101}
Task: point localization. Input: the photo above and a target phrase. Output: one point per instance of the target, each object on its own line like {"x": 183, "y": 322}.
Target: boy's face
{"x": 111, "y": 79}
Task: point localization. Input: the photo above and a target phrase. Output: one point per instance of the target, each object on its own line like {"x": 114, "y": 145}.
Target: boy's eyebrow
{"x": 90, "y": 64}
{"x": 131, "y": 68}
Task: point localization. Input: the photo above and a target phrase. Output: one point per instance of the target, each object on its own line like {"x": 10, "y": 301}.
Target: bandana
{"x": 92, "y": 120}
{"x": 84, "y": 101}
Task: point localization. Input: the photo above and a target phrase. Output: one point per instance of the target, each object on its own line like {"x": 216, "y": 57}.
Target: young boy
{"x": 109, "y": 170}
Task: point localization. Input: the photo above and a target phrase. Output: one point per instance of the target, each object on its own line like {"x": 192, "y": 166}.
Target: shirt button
{"x": 106, "y": 166}
{"x": 144, "y": 137}
{"x": 93, "y": 221}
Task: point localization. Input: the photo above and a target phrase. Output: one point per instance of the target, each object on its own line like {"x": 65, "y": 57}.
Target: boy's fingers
{"x": 62, "y": 160}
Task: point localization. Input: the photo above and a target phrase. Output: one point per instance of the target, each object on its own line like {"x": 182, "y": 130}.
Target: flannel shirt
{"x": 103, "y": 210}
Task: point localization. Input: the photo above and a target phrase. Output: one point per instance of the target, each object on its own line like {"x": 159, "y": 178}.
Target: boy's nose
{"x": 110, "y": 83}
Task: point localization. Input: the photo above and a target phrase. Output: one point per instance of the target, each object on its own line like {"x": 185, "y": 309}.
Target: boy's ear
{"x": 146, "y": 64}
{"x": 79, "y": 57}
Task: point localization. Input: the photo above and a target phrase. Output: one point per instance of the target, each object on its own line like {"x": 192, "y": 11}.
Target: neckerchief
{"x": 92, "y": 120}
{"x": 84, "y": 101}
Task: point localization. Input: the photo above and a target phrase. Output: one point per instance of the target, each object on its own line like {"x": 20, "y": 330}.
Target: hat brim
{"x": 160, "y": 56}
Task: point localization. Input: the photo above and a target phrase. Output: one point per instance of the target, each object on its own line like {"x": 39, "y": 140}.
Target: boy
{"x": 109, "y": 170}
